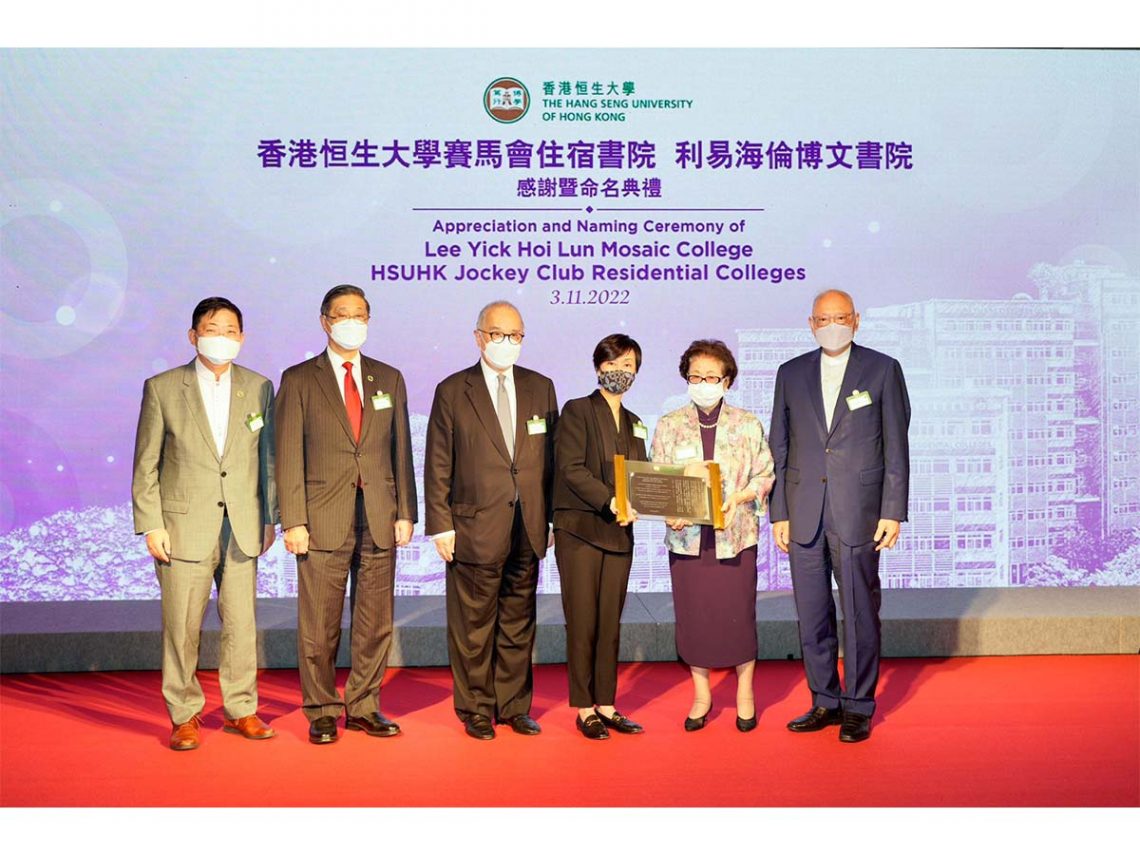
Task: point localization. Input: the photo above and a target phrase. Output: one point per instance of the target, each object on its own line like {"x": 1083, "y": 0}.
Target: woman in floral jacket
{"x": 714, "y": 572}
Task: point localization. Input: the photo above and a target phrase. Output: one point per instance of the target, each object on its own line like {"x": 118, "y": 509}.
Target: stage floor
{"x": 987, "y": 731}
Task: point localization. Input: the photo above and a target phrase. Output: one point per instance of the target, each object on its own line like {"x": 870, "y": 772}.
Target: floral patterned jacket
{"x": 745, "y": 464}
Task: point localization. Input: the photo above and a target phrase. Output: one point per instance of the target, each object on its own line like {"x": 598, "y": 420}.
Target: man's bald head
{"x": 831, "y": 311}
{"x": 834, "y": 301}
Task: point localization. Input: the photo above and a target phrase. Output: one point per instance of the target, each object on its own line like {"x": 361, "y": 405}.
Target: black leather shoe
{"x": 373, "y": 724}
{"x": 322, "y": 730}
{"x": 523, "y": 724}
{"x": 592, "y": 727}
{"x": 620, "y": 723}
{"x": 479, "y": 727}
{"x": 817, "y": 718}
{"x": 692, "y": 724}
{"x": 855, "y": 727}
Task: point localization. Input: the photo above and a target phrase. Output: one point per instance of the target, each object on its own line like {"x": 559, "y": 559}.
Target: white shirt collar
{"x": 338, "y": 361}
{"x": 208, "y": 376}
{"x": 492, "y": 376}
{"x": 835, "y": 360}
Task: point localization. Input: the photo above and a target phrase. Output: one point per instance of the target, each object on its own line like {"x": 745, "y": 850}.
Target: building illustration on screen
{"x": 1024, "y": 439}
{"x": 1025, "y": 418}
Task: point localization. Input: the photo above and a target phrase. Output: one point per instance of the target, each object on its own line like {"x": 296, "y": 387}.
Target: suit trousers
{"x": 186, "y": 587}
{"x": 594, "y": 584}
{"x": 490, "y": 630}
{"x": 321, "y": 580}
{"x": 856, "y": 570}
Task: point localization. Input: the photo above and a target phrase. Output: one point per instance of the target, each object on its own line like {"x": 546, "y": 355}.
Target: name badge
{"x": 640, "y": 431}
{"x": 858, "y": 399}
{"x": 381, "y": 401}
{"x": 535, "y": 425}
{"x": 685, "y": 452}
{"x": 254, "y": 422}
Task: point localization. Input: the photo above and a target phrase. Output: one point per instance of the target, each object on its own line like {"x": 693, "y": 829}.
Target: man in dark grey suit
{"x": 487, "y": 480}
{"x": 348, "y": 499}
{"x": 839, "y": 441}
{"x": 204, "y": 498}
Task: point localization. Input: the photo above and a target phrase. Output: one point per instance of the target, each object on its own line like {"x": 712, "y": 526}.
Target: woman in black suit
{"x": 595, "y": 551}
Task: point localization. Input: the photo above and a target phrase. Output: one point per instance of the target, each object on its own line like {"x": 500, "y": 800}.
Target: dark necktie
{"x": 352, "y": 402}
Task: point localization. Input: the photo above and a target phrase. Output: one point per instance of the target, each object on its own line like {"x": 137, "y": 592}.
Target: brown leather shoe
{"x": 184, "y": 737}
{"x": 249, "y": 726}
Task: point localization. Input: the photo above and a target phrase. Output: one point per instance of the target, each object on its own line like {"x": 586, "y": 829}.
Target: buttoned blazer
{"x": 182, "y": 484}
{"x": 319, "y": 463}
{"x": 471, "y": 478}
{"x": 863, "y": 460}
{"x": 584, "y": 471}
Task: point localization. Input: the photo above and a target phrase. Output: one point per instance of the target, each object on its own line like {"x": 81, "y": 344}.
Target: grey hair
{"x": 496, "y": 304}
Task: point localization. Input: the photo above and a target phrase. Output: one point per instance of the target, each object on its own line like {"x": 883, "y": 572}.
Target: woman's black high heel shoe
{"x": 746, "y": 724}
{"x": 692, "y": 724}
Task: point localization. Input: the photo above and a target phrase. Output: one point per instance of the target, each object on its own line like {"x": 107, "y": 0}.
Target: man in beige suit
{"x": 348, "y": 499}
{"x": 204, "y": 498}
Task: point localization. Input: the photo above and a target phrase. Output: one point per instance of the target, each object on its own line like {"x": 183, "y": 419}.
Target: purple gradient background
{"x": 1021, "y": 158}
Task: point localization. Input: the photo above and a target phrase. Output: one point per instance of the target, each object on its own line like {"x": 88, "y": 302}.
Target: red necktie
{"x": 352, "y": 402}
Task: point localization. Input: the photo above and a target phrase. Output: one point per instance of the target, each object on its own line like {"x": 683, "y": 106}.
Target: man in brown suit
{"x": 487, "y": 479}
{"x": 348, "y": 499}
{"x": 203, "y": 496}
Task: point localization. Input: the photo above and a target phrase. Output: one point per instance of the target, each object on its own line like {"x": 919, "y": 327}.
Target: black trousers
{"x": 593, "y": 596}
{"x": 490, "y": 630}
{"x": 321, "y": 580}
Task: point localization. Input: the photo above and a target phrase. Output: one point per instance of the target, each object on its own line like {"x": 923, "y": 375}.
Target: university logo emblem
{"x": 506, "y": 100}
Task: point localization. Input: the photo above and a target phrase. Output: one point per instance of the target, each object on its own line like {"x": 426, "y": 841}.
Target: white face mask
{"x": 349, "y": 333}
{"x": 218, "y": 349}
{"x": 834, "y": 336}
{"x": 706, "y": 395}
{"x": 502, "y": 354}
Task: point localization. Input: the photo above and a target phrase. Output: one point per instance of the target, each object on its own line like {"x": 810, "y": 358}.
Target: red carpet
{"x": 1015, "y": 731}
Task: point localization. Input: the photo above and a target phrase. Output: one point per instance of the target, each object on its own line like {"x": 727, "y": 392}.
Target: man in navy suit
{"x": 839, "y": 440}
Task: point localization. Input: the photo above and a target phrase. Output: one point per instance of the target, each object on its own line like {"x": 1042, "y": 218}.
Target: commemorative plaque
{"x": 657, "y": 491}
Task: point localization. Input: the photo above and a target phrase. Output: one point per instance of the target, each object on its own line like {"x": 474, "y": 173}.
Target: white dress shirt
{"x": 338, "y": 369}
{"x": 831, "y": 371}
{"x": 216, "y": 398}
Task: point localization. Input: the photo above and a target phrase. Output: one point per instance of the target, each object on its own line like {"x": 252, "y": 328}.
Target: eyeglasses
{"x": 499, "y": 337}
{"x": 344, "y": 317}
{"x": 696, "y": 379}
{"x": 843, "y": 320}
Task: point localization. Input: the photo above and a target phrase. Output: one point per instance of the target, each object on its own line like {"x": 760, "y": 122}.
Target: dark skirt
{"x": 714, "y": 602}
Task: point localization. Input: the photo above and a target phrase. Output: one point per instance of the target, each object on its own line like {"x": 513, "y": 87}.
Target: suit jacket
{"x": 470, "y": 480}
{"x": 584, "y": 448}
{"x": 181, "y": 483}
{"x": 320, "y": 464}
{"x": 863, "y": 461}
{"x": 745, "y": 464}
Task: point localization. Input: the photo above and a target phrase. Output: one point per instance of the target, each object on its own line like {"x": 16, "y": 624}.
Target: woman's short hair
{"x": 613, "y": 346}
{"x": 714, "y": 348}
